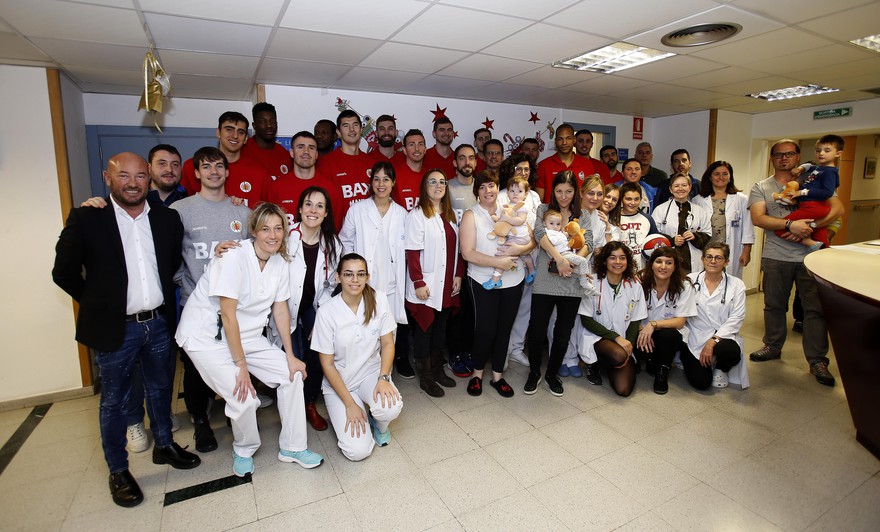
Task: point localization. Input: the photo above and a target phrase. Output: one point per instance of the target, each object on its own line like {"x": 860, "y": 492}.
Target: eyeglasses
{"x": 434, "y": 182}
{"x": 349, "y": 275}
{"x": 786, "y": 154}
{"x": 714, "y": 258}
{"x": 522, "y": 170}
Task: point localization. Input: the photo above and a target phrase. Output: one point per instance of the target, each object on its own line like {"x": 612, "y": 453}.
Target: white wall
{"x": 39, "y": 354}
{"x": 122, "y": 110}
{"x": 75, "y": 132}
{"x": 689, "y": 131}
{"x": 799, "y": 123}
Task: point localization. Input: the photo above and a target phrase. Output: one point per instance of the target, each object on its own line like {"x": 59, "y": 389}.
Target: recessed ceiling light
{"x": 871, "y": 42}
{"x": 613, "y": 58}
{"x": 792, "y": 92}
{"x": 701, "y": 34}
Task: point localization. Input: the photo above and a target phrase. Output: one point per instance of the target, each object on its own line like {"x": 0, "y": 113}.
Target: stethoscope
{"x": 326, "y": 259}
{"x": 631, "y": 303}
{"x": 688, "y": 220}
{"x": 651, "y": 298}
{"x": 697, "y": 284}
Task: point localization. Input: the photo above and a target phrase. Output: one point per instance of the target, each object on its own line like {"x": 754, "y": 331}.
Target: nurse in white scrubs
{"x": 611, "y": 321}
{"x": 729, "y": 211}
{"x": 712, "y": 355}
{"x": 687, "y": 225}
{"x": 222, "y": 331}
{"x": 354, "y": 333}
{"x": 374, "y": 228}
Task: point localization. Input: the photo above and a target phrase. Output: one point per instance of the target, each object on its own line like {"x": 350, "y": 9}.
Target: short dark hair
{"x": 461, "y": 147}
{"x": 564, "y": 125}
{"x": 530, "y": 140}
{"x": 348, "y": 113}
{"x": 835, "y": 140}
{"x": 678, "y": 152}
{"x": 263, "y": 107}
{"x": 717, "y": 243}
{"x": 600, "y": 260}
{"x": 482, "y": 177}
{"x": 482, "y": 130}
{"x": 325, "y": 122}
{"x": 386, "y": 118}
{"x": 413, "y": 133}
{"x": 607, "y": 147}
{"x": 441, "y": 120}
{"x": 234, "y": 117}
{"x": 583, "y": 132}
{"x": 630, "y": 160}
{"x": 797, "y": 147}
{"x": 706, "y": 188}
{"x": 493, "y": 142}
{"x": 209, "y": 154}
{"x": 163, "y": 147}
{"x": 303, "y": 133}
{"x": 629, "y": 187}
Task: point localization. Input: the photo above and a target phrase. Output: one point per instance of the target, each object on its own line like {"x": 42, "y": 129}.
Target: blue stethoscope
{"x": 326, "y": 260}
{"x": 697, "y": 284}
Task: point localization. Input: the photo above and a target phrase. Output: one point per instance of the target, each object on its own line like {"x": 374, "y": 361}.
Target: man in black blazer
{"x": 118, "y": 263}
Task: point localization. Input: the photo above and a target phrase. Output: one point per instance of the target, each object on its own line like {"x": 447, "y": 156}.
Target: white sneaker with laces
{"x": 138, "y": 441}
{"x": 720, "y": 379}
{"x": 519, "y": 357}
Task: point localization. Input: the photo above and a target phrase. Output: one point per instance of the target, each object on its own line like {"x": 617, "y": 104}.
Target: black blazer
{"x": 90, "y": 266}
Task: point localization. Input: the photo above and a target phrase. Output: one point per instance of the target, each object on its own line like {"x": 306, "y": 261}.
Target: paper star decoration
{"x": 455, "y": 134}
{"x": 534, "y": 119}
{"x": 438, "y": 113}
{"x": 488, "y": 123}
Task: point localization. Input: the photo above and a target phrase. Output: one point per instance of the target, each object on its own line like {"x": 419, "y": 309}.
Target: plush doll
{"x": 577, "y": 240}
{"x": 505, "y": 222}
{"x": 787, "y": 196}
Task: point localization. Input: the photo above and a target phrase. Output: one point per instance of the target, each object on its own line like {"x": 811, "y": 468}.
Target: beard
{"x": 387, "y": 142}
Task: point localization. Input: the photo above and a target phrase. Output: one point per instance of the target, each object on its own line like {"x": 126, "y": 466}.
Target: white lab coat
{"x": 614, "y": 313}
{"x": 428, "y": 235}
{"x": 739, "y": 227}
{"x": 665, "y": 216}
{"x": 361, "y": 233}
{"x": 684, "y": 306}
{"x": 715, "y": 318}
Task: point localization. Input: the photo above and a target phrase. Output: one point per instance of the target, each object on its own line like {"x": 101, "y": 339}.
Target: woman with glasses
{"x": 729, "y": 211}
{"x": 433, "y": 280}
{"x": 687, "y": 225}
{"x": 712, "y": 352}
{"x": 354, "y": 333}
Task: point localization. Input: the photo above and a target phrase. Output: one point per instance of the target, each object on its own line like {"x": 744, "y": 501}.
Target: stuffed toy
{"x": 503, "y": 224}
{"x": 788, "y": 195}
{"x": 577, "y": 240}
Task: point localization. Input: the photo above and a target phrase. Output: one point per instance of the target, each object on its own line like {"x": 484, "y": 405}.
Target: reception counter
{"x": 849, "y": 287}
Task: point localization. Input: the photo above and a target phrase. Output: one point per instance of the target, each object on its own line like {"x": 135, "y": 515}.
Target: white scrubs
{"x": 428, "y": 235}
{"x": 739, "y": 226}
{"x": 683, "y": 306}
{"x": 356, "y": 350}
{"x": 720, "y": 314}
{"x": 699, "y": 220}
{"x": 613, "y": 311}
{"x": 236, "y": 275}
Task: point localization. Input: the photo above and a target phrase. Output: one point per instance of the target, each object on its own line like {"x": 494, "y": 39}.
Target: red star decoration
{"x": 534, "y": 119}
{"x": 488, "y": 123}
{"x": 438, "y": 113}
{"x": 455, "y": 134}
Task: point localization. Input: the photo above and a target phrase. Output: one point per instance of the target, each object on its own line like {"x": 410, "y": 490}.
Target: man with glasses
{"x": 782, "y": 261}
{"x": 493, "y": 153}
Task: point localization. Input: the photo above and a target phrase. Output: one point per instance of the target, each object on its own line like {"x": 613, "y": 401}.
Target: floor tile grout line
{"x": 21, "y": 434}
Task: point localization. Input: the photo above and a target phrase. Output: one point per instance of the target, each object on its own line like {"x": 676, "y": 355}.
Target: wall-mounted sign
{"x": 638, "y": 127}
{"x": 832, "y": 113}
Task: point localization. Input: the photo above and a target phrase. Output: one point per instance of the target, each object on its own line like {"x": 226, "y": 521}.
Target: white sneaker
{"x": 175, "y": 424}
{"x": 138, "y": 441}
{"x": 519, "y": 357}
{"x": 720, "y": 379}
{"x": 265, "y": 400}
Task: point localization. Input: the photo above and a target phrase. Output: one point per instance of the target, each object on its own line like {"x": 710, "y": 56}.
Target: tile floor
{"x": 780, "y": 455}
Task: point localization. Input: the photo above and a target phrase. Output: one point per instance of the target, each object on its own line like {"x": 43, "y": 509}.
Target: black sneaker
{"x": 554, "y": 384}
{"x": 531, "y": 383}
{"x": 661, "y": 385}
{"x": 593, "y": 375}
{"x": 204, "y": 436}
{"x": 764, "y": 354}
{"x": 820, "y": 371}
{"x": 504, "y": 389}
{"x": 798, "y": 327}
{"x": 649, "y": 367}
{"x": 404, "y": 369}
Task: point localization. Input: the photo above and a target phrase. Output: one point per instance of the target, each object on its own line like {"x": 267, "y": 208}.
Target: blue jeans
{"x": 149, "y": 343}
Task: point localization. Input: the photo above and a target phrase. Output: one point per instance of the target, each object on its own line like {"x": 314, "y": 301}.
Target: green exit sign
{"x": 832, "y": 113}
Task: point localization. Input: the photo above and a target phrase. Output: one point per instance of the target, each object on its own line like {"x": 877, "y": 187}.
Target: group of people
{"x": 319, "y": 271}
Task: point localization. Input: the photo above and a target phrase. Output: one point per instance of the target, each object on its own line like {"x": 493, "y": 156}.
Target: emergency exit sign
{"x": 832, "y": 113}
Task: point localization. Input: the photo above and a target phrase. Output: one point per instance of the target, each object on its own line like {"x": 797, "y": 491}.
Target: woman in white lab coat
{"x": 729, "y": 212}
{"x": 433, "y": 279}
{"x": 611, "y": 320}
{"x": 712, "y": 354}
{"x": 314, "y": 253}
{"x": 688, "y": 240}
{"x": 354, "y": 334}
{"x": 374, "y": 228}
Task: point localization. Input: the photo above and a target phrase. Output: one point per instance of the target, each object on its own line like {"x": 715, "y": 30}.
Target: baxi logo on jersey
{"x": 355, "y": 190}
{"x": 235, "y": 225}
{"x": 245, "y": 187}
{"x": 411, "y": 203}
{"x": 284, "y": 169}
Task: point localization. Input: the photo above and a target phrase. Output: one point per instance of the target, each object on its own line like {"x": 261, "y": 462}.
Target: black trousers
{"x": 727, "y": 355}
{"x": 566, "y": 313}
{"x": 666, "y": 343}
{"x": 430, "y": 340}
{"x": 494, "y": 313}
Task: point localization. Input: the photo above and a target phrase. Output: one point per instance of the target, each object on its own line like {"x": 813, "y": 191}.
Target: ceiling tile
{"x": 610, "y": 20}
{"x": 824, "y": 57}
{"x": 830, "y": 73}
{"x": 261, "y": 12}
{"x": 461, "y": 29}
{"x": 756, "y": 85}
{"x": 848, "y": 25}
{"x": 304, "y": 73}
{"x": 359, "y": 78}
{"x": 490, "y": 68}
{"x": 716, "y": 78}
{"x": 209, "y": 84}
{"x": 870, "y": 80}
{"x": 543, "y": 43}
{"x": 445, "y": 85}
{"x": 794, "y": 11}
{"x": 124, "y": 4}
{"x": 194, "y": 35}
{"x": 313, "y": 46}
{"x": 108, "y": 88}
{"x": 767, "y": 46}
{"x": 553, "y": 98}
{"x": 670, "y": 68}
{"x": 14, "y": 47}
{"x": 654, "y": 91}
{"x": 356, "y": 19}
{"x": 518, "y": 8}
{"x": 133, "y": 77}
{"x": 412, "y": 58}
{"x": 87, "y": 54}
{"x": 230, "y": 66}
{"x": 505, "y": 92}
{"x": 49, "y": 18}
{"x": 607, "y": 84}
{"x": 553, "y": 78}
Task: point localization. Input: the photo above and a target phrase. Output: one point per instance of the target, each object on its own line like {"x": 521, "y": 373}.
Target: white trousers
{"x": 521, "y": 323}
{"x": 356, "y": 448}
{"x": 269, "y": 364}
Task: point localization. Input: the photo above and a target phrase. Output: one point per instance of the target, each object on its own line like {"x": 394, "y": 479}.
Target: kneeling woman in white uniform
{"x": 612, "y": 320}
{"x": 712, "y": 355}
{"x": 222, "y": 331}
{"x": 354, "y": 333}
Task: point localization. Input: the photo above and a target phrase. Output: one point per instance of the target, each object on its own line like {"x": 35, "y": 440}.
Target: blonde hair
{"x": 260, "y": 218}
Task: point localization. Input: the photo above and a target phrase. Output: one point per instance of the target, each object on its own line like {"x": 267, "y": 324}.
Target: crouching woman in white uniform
{"x": 222, "y": 331}
{"x": 354, "y": 334}
{"x": 712, "y": 354}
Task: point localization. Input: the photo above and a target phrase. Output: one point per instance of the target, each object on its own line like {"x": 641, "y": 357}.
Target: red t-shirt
{"x": 614, "y": 178}
{"x": 350, "y": 174}
{"x": 435, "y": 160}
{"x": 602, "y": 169}
{"x": 407, "y": 185}
{"x": 285, "y": 192}
{"x": 247, "y": 180}
{"x": 378, "y": 156}
{"x": 276, "y": 161}
{"x": 480, "y": 166}
{"x": 549, "y": 167}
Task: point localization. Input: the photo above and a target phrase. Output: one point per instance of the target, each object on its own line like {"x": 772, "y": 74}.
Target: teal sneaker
{"x": 242, "y": 465}
{"x": 306, "y": 458}
{"x": 381, "y": 438}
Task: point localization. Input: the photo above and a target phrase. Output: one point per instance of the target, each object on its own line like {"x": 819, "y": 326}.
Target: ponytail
{"x": 369, "y": 304}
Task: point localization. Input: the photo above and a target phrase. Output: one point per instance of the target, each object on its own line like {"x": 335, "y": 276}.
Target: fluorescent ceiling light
{"x": 613, "y": 58}
{"x": 871, "y": 42}
{"x": 792, "y": 92}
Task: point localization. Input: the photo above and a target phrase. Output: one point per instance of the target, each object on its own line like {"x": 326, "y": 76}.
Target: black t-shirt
{"x": 310, "y": 254}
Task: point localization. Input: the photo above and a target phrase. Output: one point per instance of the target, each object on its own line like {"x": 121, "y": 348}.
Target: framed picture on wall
{"x": 870, "y": 167}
